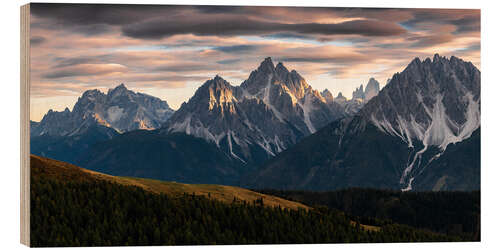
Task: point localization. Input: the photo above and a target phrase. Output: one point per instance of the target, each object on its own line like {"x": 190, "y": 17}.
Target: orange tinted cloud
{"x": 174, "y": 49}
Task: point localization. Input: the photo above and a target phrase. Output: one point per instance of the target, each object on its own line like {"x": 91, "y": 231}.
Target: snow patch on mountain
{"x": 230, "y": 135}
{"x": 440, "y": 132}
{"x": 435, "y": 103}
{"x": 266, "y": 99}
{"x": 307, "y": 109}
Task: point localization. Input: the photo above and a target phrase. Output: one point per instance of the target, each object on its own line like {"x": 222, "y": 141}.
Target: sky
{"x": 169, "y": 51}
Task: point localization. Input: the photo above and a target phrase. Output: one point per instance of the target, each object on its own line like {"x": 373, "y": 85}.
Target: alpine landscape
{"x": 285, "y": 126}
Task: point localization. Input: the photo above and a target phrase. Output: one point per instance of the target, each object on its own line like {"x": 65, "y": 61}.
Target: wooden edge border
{"x": 25, "y": 124}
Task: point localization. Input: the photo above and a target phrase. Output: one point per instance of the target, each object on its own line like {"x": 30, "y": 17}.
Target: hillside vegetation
{"x": 71, "y": 206}
{"x": 449, "y": 212}
{"x": 41, "y": 166}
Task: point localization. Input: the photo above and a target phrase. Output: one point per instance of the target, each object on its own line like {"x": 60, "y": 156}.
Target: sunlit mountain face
{"x": 271, "y": 110}
{"x": 170, "y": 51}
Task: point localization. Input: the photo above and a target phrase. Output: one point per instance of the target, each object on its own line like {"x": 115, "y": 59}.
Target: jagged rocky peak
{"x": 372, "y": 89}
{"x": 217, "y": 92}
{"x": 281, "y": 70}
{"x": 440, "y": 94}
{"x": 55, "y": 115}
{"x": 358, "y": 93}
{"x": 215, "y": 83}
{"x": 432, "y": 103}
{"x": 120, "y": 89}
{"x": 267, "y": 65}
{"x": 91, "y": 96}
{"x": 267, "y": 75}
{"x": 296, "y": 84}
{"x": 327, "y": 95}
{"x": 259, "y": 78}
{"x": 340, "y": 98}
{"x": 267, "y": 113}
{"x": 437, "y": 58}
{"x": 92, "y": 92}
{"x": 291, "y": 79}
{"x": 121, "y": 86}
{"x": 429, "y": 105}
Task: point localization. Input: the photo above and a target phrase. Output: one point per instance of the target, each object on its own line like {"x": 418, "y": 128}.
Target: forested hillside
{"x": 452, "y": 213}
{"x": 81, "y": 210}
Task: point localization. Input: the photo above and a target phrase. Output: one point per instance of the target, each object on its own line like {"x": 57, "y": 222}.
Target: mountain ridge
{"x": 402, "y": 157}
{"x": 271, "y": 110}
{"x": 120, "y": 109}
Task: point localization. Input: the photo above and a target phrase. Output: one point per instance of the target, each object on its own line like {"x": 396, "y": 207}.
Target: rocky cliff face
{"x": 372, "y": 89}
{"x": 431, "y": 103}
{"x": 120, "y": 109}
{"x": 399, "y": 138}
{"x": 359, "y": 93}
{"x": 268, "y": 112}
{"x": 328, "y": 96}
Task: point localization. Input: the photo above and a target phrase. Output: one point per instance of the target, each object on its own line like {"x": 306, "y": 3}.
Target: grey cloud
{"x": 229, "y": 61}
{"x": 88, "y": 14}
{"x": 289, "y": 35}
{"x": 84, "y": 70}
{"x": 93, "y": 19}
{"x": 65, "y": 62}
{"x": 71, "y": 61}
{"x": 431, "y": 40}
{"x": 467, "y": 24}
{"x": 156, "y": 78}
{"x": 236, "y": 48}
{"x": 465, "y": 20}
{"x": 231, "y": 25}
{"x": 158, "y": 21}
{"x": 185, "y": 67}
{"x": 92, "y": 29}
{"x": 61, "y": 74}
{"x": 474, "y": 47}
{"x": 37, "y": 40}
{"x": 391, "y": 45}
{"x": 325, "y": 59}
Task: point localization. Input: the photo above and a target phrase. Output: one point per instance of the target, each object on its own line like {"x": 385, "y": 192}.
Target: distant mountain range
{"x": 120, "y": 109}
{"x": 95, "y": 117}
{"x": 359, "y": 97}
{"x": 421, "y": 131}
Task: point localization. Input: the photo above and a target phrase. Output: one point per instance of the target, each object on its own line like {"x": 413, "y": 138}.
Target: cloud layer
{"x": 170, "y": 50}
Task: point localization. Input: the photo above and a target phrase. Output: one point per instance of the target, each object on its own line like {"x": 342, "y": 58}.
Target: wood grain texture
{"x": 25, "y": 124}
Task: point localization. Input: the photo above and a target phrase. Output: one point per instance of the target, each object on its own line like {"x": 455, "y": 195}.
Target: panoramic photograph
{"x": 237, "y": 125}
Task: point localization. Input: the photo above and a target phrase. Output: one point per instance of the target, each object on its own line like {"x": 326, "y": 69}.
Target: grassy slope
{"x": 62, "y": 170}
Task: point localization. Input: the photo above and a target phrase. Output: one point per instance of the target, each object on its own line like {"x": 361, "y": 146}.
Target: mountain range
{"x": 407, "y": 137}
{"x": 420, "y": 132}
{"x": 120, "y": 109}
{"x": 270, "y": 111}
{"x": 95, "y": 117}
